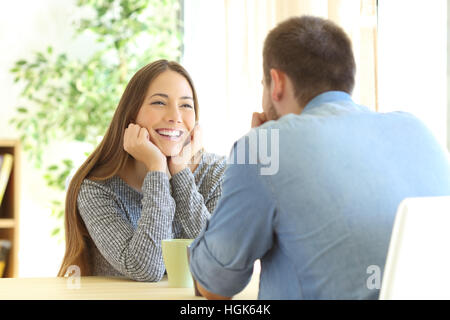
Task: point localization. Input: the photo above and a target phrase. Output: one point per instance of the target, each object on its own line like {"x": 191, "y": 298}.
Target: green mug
{"x": 176, "y": 262}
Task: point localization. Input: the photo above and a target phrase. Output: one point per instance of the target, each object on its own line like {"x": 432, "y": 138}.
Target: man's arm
{"x": 239, "y": 232}
{"x": 209, "y": 295}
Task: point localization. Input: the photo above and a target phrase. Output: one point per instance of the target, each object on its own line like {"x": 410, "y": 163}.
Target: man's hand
{"x": 137, "y": 143}
{"x": 258, "y": 118}
{"x": 190, "y": 154}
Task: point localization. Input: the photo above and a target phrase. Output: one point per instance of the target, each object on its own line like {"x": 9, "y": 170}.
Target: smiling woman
{"x": 148, "y": 180}
{"x": 168, "y": 112}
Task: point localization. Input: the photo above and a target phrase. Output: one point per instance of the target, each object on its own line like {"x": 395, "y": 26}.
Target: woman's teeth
{"x": 170, "y": 133}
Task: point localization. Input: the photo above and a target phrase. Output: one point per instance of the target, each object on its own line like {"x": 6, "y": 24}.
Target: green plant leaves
{"x": 68, "y": 99}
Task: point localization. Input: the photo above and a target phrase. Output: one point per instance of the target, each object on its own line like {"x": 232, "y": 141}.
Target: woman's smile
{"x": 169, "y": 140}
{"x": 170, "y": 134}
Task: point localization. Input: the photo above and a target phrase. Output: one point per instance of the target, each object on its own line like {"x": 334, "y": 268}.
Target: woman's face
{"x": 168, "y": 112}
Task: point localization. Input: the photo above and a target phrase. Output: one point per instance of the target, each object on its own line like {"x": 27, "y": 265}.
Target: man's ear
{"x": 278, "y": 84}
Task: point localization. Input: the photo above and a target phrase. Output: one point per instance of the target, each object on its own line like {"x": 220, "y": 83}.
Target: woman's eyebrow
{"x": 167, "y": 96}
{"x": 160, "y": 94}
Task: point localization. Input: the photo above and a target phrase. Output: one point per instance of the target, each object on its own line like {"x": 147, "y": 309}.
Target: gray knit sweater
{"x": 127, "y": 226}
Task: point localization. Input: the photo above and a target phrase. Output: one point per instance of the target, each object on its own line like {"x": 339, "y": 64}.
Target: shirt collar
{"x": 328, "y": 96}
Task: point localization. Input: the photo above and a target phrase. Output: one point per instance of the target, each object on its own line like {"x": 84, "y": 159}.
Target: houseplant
{"x": 70, "y": 99}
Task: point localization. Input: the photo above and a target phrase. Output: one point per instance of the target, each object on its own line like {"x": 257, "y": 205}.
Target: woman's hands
{"x": 137, "y": 143}
{"x": 190, "y": 154}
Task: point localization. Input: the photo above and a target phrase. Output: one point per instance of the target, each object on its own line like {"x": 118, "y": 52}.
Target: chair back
{"x": 418, "y": 260}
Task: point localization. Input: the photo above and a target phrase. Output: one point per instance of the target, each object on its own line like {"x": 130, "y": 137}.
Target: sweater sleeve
{"x": 136, "y": 253}
{"x": 192, "y": 208}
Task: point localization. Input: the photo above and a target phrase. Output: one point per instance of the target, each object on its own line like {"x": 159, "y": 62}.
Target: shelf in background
{"x": 9, "y": 208}
{"x": 7, "y": 223}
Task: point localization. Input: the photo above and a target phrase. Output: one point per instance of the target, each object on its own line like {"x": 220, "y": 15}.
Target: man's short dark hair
{"x": 315, "y": 53}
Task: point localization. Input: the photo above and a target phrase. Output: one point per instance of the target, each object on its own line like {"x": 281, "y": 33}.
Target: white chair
{"x": 418, "y": 260}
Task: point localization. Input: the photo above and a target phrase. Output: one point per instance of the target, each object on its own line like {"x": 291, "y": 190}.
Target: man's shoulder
{"x": 328, "y": 118}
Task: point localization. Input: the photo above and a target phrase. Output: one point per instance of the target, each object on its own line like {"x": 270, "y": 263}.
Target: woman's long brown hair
{"x": 107, "y": 160}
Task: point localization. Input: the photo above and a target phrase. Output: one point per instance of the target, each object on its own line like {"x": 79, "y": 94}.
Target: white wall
{"x": 204, "y": 57}
{"x": 27, "y": 26}
{"x": 413, "y": 60}
{"x": 448, "y": 77}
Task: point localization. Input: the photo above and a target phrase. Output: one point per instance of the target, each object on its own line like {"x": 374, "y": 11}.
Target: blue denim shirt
{"x": 320, "y": 223}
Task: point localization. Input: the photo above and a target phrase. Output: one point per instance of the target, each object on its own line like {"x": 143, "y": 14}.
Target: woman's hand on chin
{"x": 190, "y": 155}
{"x": 137, "y": 143}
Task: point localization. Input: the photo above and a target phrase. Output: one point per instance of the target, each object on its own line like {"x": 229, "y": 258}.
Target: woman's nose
{"x": 173, "y": 114}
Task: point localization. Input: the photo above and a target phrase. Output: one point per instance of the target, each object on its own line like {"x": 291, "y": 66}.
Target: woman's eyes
{"x": 161, "y": 103}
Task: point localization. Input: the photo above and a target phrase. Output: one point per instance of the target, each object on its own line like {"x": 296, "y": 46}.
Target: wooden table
{"x": 100, "y": 288}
